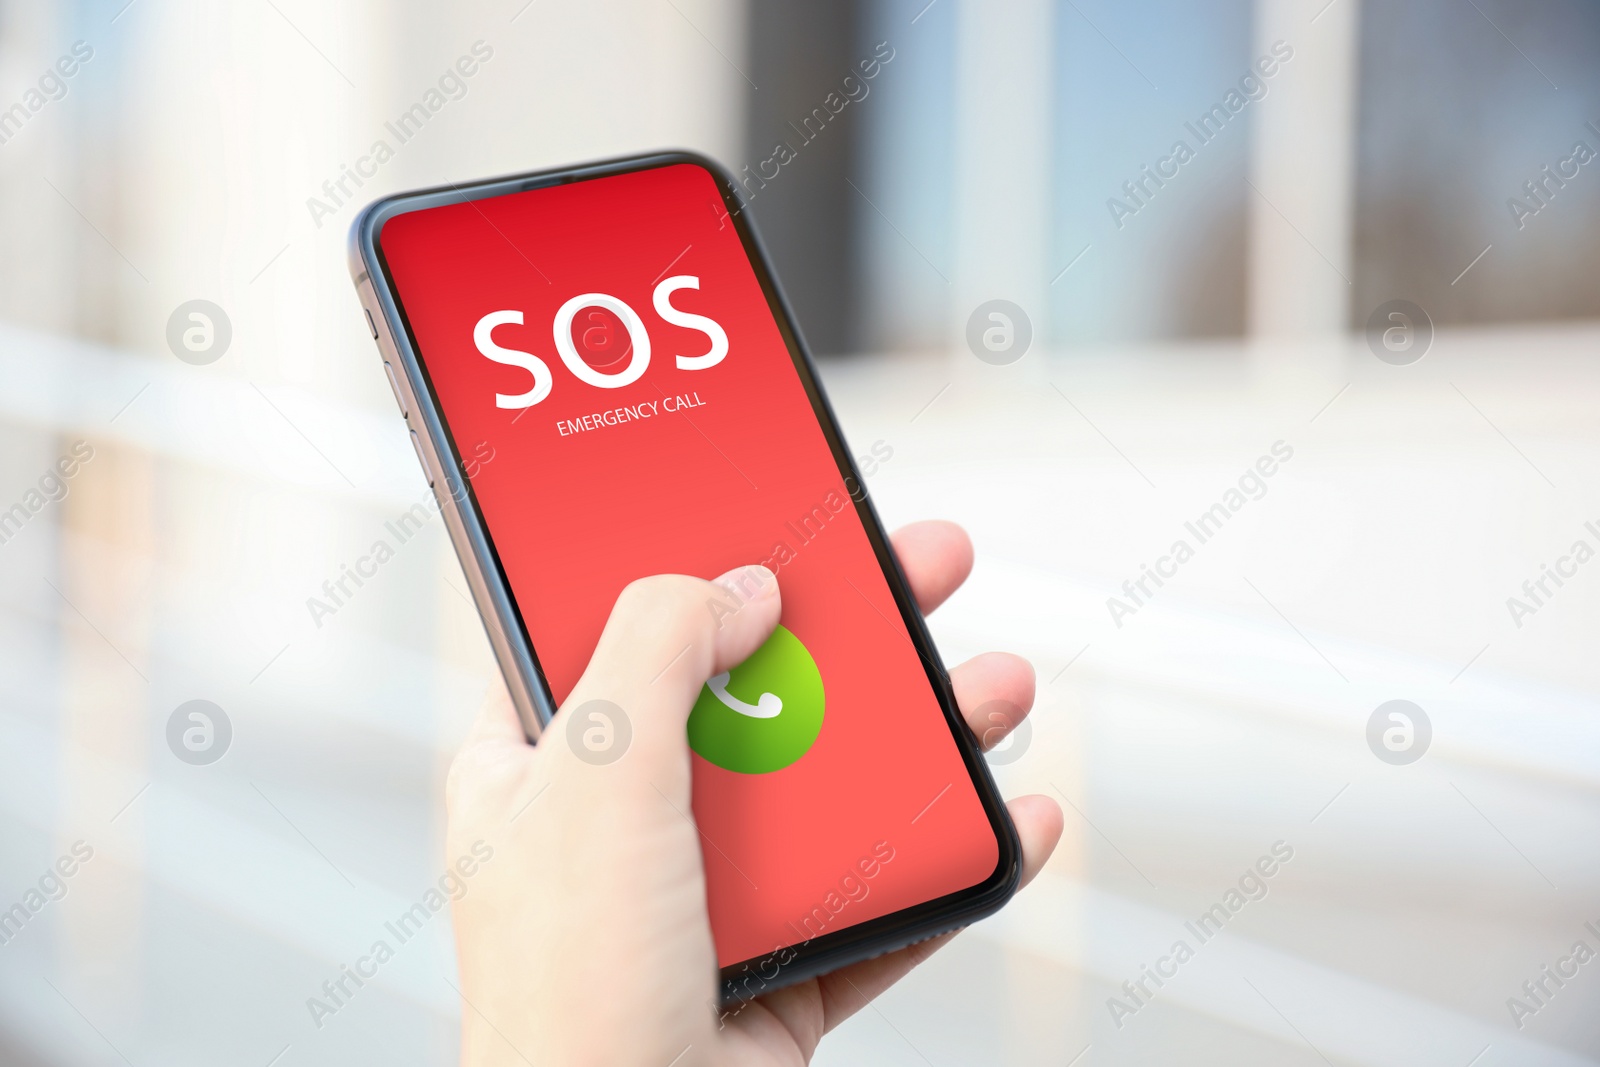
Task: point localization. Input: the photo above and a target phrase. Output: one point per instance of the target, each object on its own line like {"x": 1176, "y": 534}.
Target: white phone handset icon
{"x": 767, "y": 707}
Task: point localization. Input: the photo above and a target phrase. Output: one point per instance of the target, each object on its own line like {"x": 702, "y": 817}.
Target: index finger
{"x": 936, "y": 556}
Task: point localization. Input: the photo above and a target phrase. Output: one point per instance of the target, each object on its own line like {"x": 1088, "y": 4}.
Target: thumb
{"x": 666, "y": 635}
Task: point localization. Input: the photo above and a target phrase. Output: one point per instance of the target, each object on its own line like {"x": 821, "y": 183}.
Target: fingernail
{"x": 753, "y": 582}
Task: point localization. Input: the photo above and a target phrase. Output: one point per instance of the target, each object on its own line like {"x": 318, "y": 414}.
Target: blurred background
{"x": 1190, "y": 310}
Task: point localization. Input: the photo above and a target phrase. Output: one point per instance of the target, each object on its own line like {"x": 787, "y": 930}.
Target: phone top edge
{"x": 368, "y": 223}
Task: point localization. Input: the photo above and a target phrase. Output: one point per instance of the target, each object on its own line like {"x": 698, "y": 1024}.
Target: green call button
{"x": 765, "y": 713}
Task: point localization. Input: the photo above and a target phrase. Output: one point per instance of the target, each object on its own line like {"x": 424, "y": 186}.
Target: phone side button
{"x": 371, "y": 323}
{"x": 416, "y": 443}
{"x": 394, "y": 384}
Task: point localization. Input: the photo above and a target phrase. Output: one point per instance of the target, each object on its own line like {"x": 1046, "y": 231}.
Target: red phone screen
{"x": 610, "y": 341}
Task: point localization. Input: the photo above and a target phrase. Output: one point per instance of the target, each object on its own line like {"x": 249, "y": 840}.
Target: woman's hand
{"x": 586, "y": 939}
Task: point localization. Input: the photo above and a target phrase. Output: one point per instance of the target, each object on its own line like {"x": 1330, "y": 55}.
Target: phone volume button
{"x": 416, "y": 443}
{"x": 372, "y": 323}
{"x": 394, "y": 384}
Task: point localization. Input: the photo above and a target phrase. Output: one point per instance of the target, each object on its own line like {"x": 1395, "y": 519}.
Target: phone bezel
{"x": 790, "y": 964}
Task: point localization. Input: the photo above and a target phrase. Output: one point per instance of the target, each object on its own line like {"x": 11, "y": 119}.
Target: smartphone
{"x": 603, "y": 382}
